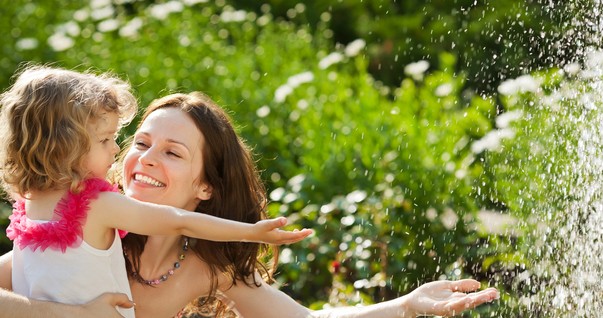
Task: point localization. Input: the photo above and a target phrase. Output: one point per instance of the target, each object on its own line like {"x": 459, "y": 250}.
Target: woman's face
{"x": 164, "y": 163}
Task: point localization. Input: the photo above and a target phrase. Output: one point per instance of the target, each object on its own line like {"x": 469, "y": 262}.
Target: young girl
{"x": 57, "y": 143}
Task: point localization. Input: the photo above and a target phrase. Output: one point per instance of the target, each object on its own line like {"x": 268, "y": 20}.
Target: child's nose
{"x": 115, "y": 147}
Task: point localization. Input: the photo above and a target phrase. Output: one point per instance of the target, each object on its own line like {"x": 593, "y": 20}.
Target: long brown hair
{"x": 237, "y": 193}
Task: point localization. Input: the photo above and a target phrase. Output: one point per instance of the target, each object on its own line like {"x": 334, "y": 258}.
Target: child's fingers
{"x": 277, "y": 222}
{"x": 295, "y": 236}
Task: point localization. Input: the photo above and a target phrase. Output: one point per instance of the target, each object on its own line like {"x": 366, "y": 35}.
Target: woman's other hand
{"x": 446, "y": 298}
{"x": 105, "y": 306}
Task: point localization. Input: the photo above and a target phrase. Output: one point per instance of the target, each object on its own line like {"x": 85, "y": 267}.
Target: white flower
{"x": 302, "y": 104}
{"x": 233, "y": 16}
{"x": 300, "y": 78}
{"x": 354, "y": 47}
{"x": 503, "y": 120}
{"x": 26, "y": 44}
{"x": 449, "y": 219}
{"x": 294, "y": 81}
{"x": 347, "y": 220}
{"x": 329, "y": 60}
{"x": 492, "y": 140}
{"x": 108, "y": 25}
{"x": 263, "y": 111}
{"x": 282, "y": 92}
{"x": 81, "y": 15}
{"x": 528, "y": 83}
{"x": 522, "y": 84}
{"x": 131, "y": 28}
{"x": 285, "y": 255}
{"x": 71, "y": 28}
{"x": 296, "y": 181}
{"x": 416, "y": 70}
{"x": 161, "y": 11}
{"x": 507, "y": 87}
{"x": 60, "y": 42}
{"x": 277, "y": 194}
{"x": 356, "y": 196}
{"x": 328, "y": 208}
{"x": 95, "y": 4}
{"x": 102, "y": 13}
{"x": 193, "y": 2}
{"x": 443, "y": 90}
{"x": 431, "y": 214}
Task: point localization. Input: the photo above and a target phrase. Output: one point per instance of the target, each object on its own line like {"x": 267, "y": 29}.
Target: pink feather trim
{"x": 66, "y": 231}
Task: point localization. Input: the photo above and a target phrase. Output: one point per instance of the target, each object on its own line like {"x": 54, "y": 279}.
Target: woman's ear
{"x": 204, "y": 192}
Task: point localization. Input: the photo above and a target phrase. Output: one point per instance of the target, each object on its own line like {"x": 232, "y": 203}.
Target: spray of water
{"x": 567, "y": 228}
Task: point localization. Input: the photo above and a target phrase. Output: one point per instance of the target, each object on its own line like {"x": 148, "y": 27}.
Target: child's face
{"x": 103, "y": 147}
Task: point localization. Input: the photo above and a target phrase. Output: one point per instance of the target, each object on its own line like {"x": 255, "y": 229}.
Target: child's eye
{"x": 105, "y": 140}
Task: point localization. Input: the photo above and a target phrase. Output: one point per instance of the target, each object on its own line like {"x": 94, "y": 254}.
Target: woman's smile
{"x": 140, "y": 178}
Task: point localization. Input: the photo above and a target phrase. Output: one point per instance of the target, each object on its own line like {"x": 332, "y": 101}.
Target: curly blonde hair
{"x": 43, "y": 134}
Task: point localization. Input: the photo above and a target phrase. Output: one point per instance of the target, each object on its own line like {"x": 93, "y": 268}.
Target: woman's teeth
{"x": 148, "y": 180}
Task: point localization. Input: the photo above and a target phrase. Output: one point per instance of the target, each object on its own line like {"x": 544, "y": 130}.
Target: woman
{"x": 186, "y": 153}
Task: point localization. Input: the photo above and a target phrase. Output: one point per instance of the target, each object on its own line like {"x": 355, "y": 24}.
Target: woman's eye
{"x": 140, "y": 144}
{"x": 173, "y": 154}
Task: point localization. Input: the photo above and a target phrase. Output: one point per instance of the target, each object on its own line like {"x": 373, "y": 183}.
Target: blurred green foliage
{"x": 486, "y": 36}
{"x": 378, "y": 144}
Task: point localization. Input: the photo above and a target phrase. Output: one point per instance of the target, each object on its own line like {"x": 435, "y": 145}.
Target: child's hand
{"x": 267, "y": 231}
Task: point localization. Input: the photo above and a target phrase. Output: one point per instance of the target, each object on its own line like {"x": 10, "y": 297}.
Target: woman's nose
{"x": 148, "y": 158}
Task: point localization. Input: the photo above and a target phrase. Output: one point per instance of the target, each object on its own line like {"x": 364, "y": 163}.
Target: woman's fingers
{"x": 119, "y": 300}
{"x": 472, "y": 300}
{"x": 464, "y": 285}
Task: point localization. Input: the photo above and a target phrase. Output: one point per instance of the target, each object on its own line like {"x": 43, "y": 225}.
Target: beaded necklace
{"x": 169, "y": 273}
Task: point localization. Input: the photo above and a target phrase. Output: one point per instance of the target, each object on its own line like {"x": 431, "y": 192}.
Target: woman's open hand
{"x": 447, "y": 298}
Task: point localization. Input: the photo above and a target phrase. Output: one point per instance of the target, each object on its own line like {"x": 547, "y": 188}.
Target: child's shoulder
{"x": 90, "y": 191}
{"x": 96, "y": 185}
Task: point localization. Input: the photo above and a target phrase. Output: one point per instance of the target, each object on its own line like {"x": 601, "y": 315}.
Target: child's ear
{"x": 204, "y": 192}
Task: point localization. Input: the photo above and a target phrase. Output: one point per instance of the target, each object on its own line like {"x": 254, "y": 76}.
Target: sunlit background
{"x": 421, "y": 140}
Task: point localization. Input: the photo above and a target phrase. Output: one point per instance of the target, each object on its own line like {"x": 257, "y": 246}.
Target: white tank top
{"x": 75, "y": 277}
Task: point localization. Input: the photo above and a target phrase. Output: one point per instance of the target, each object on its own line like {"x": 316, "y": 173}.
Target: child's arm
{"x": 114, "y": 210}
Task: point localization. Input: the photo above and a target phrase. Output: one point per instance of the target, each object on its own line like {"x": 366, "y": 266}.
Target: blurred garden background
{"x": 417, "y": 138}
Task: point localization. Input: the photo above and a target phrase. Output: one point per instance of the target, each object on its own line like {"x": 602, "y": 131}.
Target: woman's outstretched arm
{"x": 440, "y": 298}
